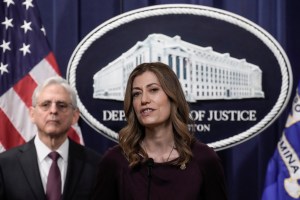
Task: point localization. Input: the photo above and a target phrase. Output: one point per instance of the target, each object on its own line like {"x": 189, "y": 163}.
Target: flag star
{"x": 43, "y": 30}
{"x": 26, "y": 26}
{"x": 7, "y": 23}
{"x": 28, "y": 3}
{"x": 5, "y": 46}
{"x": 3, "y": 68}
{"x": 25, "y": 49}
{"x": 8, "y": 2}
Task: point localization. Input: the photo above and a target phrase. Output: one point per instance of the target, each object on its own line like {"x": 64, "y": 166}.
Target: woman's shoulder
{"x": 200, "y": 146}
{"x": 113, "y": 151}
{"x": 113, "y": 154}
{"x": 204, "y": 153}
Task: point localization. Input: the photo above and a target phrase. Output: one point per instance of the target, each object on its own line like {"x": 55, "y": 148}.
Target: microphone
{"x": 150, "y": 164}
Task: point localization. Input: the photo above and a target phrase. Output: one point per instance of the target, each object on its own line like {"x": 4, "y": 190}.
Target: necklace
{"x": 173, "y": 147}
{"x": 170, "y": 153}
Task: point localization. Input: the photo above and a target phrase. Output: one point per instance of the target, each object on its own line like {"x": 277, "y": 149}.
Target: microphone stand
{"x": 150, "y": 164}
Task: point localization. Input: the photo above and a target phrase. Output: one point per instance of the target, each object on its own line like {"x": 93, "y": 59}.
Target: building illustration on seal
{"x": 204, "y": 74}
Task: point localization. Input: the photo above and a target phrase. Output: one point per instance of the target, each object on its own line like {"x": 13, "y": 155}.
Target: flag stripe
{"x": 51, "y": 60}
{"x": 1, "y": 148}
{"x": 25, "y": 88}
{"x": 72, "y": 134}
{"x": 78, "y": 130}
{"x": 9, "y": 136}
{"x": 17, "y": 112}
{"x": 42, "y": 71}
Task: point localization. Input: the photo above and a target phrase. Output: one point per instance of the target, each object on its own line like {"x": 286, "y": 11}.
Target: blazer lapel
{"x": 28, "y": 161}
{"x": 75, "y": 165}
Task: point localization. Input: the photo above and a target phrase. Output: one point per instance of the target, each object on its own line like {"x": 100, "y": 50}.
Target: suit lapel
{"x": 75, "y": 165}
{"x": 28, "y": 161}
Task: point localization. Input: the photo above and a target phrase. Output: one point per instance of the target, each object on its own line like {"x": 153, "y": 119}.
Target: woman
{"x": 157, "y": 157}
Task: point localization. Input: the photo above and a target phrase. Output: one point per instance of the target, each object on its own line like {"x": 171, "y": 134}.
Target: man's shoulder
{"x": 84, "y": 150}
{"x": 15, "y": 151}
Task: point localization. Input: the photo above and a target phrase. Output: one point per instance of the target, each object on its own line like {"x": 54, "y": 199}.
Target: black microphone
{"x": 150, "y": 164}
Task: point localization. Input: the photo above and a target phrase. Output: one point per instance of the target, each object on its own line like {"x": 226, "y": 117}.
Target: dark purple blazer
{"x": 203, "y": 178}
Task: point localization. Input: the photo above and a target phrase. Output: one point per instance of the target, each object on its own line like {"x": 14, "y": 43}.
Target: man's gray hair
{"x": 55, "y": 80}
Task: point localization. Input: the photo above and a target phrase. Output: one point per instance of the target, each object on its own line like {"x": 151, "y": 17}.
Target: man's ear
{"x": 76, "y": 115}
{"x": 32, "y": 114}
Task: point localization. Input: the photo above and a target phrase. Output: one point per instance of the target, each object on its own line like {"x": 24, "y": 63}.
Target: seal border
{"x": 177, "y": 9}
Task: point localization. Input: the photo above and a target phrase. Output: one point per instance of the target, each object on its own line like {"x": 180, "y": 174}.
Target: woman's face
{"x": 151, "y": 104}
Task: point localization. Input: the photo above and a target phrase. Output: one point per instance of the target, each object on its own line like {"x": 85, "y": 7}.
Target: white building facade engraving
{"x": 204, "y": 74}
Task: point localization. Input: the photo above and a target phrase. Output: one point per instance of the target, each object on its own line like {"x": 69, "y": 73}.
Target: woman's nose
{"x": 145, "y": 98}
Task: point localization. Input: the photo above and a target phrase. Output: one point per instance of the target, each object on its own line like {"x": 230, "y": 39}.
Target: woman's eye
{"x": 135, "y": 94}
{"x": 154, "y": 89}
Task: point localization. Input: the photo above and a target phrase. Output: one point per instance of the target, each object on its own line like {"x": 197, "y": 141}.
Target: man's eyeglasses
{"x": 60, "y": 105}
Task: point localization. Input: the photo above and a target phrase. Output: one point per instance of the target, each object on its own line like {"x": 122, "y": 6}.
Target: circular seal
{"x": 235, "y": 75}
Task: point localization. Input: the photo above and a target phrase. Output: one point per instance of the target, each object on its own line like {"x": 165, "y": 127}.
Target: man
{"x": 25, "y": 171}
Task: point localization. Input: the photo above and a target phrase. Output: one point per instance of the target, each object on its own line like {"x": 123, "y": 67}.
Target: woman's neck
{"x": 160, "y": 145}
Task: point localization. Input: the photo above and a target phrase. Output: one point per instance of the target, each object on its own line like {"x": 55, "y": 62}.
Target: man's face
{"x": 54, "y": 113}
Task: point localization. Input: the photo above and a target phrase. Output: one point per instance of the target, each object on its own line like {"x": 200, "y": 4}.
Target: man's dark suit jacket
{"x": 20, "y": 176}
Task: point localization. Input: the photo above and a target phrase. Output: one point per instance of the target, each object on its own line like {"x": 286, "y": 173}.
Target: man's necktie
{"x": 53, "y": 188}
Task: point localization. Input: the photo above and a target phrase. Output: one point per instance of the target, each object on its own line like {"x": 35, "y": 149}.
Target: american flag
{"x": 26, "y": 60}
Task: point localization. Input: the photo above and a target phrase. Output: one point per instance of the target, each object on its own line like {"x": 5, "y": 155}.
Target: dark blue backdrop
{"x": 68, "y": 21}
